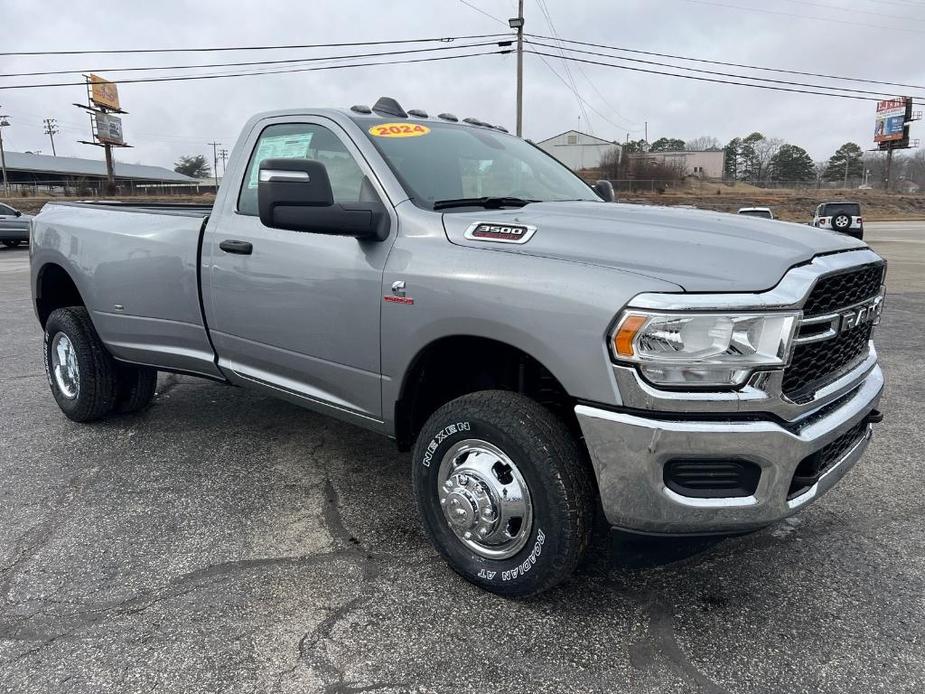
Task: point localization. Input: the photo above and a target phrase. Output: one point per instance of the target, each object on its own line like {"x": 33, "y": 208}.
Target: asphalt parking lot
{"x": 225, "y": 542}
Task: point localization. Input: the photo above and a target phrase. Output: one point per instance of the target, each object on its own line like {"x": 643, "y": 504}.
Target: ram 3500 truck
{"x": 545, "y": 352}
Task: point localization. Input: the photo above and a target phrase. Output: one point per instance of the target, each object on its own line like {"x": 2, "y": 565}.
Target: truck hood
{"x": 696, "y": 249}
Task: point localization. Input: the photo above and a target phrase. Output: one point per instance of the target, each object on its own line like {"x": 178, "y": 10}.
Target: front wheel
{"x": 504, "y": 492}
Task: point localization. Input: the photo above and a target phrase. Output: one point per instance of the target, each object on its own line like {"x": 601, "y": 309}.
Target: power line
{"x": 707, "y": 79}
{"x": 578, "y": 96}
{"x": 729, "y": 64}
{"x": 849, "y": 9}
{"x": 897, "y": 3}
{"x": 266, "y": 72}
{"x": 481, "y": 11}
{"x": 880, "y": 94}
{"x": 247, "y": 63}
{"x": 828, "y": 20}
{"x": 568, "y": 72}
{"x": 346, "y": 44}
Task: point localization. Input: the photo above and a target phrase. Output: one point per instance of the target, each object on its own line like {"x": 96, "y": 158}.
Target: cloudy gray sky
{"x": 876, "y": 39}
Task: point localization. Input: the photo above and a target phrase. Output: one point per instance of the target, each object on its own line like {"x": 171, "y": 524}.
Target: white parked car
{"x": 764, "y": 212}
{"x": 840, "y": 216}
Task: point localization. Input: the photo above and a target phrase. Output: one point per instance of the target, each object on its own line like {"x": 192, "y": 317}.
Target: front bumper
{"x": 629, "y": 453}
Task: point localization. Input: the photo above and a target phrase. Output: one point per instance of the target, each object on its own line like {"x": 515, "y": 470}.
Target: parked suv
{"x": 840, "y": 216}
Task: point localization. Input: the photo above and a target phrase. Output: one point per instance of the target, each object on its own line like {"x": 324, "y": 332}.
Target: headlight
{"x": 702, "y": 349}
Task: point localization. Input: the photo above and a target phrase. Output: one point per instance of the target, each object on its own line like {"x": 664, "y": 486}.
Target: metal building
{"x": 578, "y": 150}
{"x": 67, "y": 174}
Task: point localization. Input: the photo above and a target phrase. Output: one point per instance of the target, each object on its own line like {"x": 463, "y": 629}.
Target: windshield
{"x": 756, "y": 213}
{"x": 442, "y": 161}
{"x": 849, "y": 208}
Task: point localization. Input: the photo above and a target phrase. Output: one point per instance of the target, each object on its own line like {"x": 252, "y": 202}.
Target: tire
{"x": 89, "y": 391}
{"x": 135, "y": 388}
{"x": 841, "y": 222}
{"x": 472, "y": 431}
{"x": 12, "y": 244}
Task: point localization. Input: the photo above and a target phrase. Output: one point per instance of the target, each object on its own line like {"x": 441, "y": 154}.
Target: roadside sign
{"x": 109, "y": 129}
{"x": 891, "y": 120}
{"x": 104, "y": 93}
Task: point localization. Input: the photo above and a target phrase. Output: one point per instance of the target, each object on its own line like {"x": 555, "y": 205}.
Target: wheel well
{"x": 454, "y": 366}
{"x": 55, "y": 289}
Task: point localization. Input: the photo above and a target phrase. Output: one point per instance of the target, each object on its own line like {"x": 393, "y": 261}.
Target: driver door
{"x": 299, "y": 312}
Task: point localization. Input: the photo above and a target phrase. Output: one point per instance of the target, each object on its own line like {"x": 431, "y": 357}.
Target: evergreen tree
{"x": 731, "y": 159}
{"x": 850, "y": 154}
{"x": 792, "y": 163}
{"x": 667, "y": 144}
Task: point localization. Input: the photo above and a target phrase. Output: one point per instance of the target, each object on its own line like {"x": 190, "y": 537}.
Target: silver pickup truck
{"x": 546, "y": 353}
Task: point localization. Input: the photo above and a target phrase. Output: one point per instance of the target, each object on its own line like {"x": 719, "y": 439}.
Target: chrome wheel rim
{"x": 485, "y": 499}
{"x": 64, "y": 366}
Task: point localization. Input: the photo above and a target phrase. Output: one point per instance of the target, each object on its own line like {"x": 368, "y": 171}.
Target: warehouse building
{"x": 33, "y": 172}
{"x": 578, "y": 150}
{"x": 708, "y": 164}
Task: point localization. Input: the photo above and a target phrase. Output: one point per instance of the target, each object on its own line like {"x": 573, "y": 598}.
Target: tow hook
{"x": 874, "y": 417}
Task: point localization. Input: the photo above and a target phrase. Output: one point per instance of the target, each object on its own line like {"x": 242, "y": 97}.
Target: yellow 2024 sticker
{"x": 399, "y": 130}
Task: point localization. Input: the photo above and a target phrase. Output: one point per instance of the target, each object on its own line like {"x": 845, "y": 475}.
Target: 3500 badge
{"x": 399, "y": 130}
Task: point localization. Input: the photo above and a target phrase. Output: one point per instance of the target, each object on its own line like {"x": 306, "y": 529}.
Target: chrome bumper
{"x": 629, "y": 452}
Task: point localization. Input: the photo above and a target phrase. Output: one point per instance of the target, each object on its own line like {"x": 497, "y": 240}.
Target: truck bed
{"x": 180, "y": 209}
{"x": 137, "y": 266}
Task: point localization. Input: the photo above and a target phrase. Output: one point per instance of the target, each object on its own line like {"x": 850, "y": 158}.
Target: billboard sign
{"x": 104, "y": 93}
{"x": 109, "y": 129}
{"x": 891, "y": 120}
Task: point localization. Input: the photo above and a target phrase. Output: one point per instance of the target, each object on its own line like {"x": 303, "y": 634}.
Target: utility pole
{"x": 846, "y": 172}
{"x": 51, "y": 129}
{"x": 223, "y": 154}
{"x": 4, "y": 122}
{"x": 215, "y": 163}
{"x": 646, "y": 138}
{"x": 518, "y": 23}
{"x": 889, "y": 167}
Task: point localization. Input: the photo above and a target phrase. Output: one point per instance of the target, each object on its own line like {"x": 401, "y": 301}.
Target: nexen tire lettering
{"x": 438, "y": 439}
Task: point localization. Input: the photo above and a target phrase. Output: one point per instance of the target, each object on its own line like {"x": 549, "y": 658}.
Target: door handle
{"x": 239, "y": 247}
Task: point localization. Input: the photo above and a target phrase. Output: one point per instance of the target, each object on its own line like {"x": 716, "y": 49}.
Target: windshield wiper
{"x": 486, "y": 202}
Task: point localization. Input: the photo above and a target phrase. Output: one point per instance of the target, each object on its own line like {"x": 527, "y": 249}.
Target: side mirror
{"x": 605, "y": 190}
{"x": 18, "y": 213}
{"x": 296, "y": 195}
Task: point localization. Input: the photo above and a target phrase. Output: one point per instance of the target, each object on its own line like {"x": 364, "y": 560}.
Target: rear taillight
{"x": 860, "y": 221}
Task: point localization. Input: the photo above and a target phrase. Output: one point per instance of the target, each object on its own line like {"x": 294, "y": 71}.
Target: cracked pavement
{"x": 222, "y": 541}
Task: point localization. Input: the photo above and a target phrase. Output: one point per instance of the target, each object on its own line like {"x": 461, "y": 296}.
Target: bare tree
{"x": 611, "y": 164}
{"x": 914, "y": 168}
{"x": 703, "y": 143}
{"x": 765, "y": 149}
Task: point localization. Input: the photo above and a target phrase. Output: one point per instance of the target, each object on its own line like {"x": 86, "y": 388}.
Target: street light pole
{"x": 518, "y": 23}
{"x": 6, "y": 181}
{"x": 846, "y": 172}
